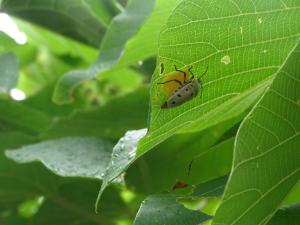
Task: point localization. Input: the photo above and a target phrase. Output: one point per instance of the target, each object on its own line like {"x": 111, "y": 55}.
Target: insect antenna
{"x": 203, "y": 73}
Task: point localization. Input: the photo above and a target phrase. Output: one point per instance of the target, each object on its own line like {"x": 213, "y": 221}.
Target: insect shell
{"x": 183, "y": 94}
{"x": 186, "y": 89}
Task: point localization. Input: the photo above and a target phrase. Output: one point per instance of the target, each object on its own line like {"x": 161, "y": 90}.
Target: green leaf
{"x": 192, "y": 158}
{"x": 23, "y": 118}
{"x": 109, "y": 121}
{"x": 73, "y": 202}
{"x": 144, "y": 44}
{"x": 66, "y": 200}
{"x": 57, "y": 43}
{"x": 287, "y": 215}
{"x": 128, "y": 23}
{"x": 72, "y": 18}
{"x": 24, "y": 53}
{"x": 123, "y": 155}
{"x": 293, "y": 196}
{"x": 12, "y": 139}
{"x": 266, "y": 156}
{"x": 164, "y": 209}
{"x": 68, "y": 157}
{"x": 104, "y": 10}
{"x": 243, "y": 45}
{"x": 212, "y": 188}
{"x": 214, "y": 162}
{"x": 9, "y": 72}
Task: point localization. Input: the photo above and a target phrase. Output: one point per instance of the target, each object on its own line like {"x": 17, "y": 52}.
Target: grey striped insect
{"x": 181, "y": 90}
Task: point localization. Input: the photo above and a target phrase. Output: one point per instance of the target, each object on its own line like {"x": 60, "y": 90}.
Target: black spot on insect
{"x": 179, "y": 95}
{"x": 173, "y": 103}
{"x": 186, "y": 89}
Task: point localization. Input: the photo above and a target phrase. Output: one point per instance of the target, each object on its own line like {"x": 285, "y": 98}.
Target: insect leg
{"x": 184, "y": 74}
{"x": 162, "y": 68}
{"x": 179, "y": 82}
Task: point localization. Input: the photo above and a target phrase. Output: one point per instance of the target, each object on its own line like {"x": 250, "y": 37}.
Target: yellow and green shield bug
{"x": 181, "y": 90}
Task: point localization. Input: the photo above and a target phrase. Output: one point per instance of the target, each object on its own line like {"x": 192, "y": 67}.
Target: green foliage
{"x": 163, "y": 209}
{"x": 92, "y": 119}
{"x": 268, "y": 135}
{"x": 127, "y": 23}
{"x": 75, "y": 157}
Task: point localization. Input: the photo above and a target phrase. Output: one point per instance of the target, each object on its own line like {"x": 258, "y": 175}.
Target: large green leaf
{"x": 127, "y": 23}
{"x": 164, "y": 209}
{"x": 72, "y": 18}
{"x": 243, "y": 44}
{"x": 69, "y": 157}
{"x": 9, "y": 73}
{"x": 266, "y": 157}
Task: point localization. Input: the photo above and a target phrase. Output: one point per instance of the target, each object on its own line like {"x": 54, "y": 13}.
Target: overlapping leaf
{"x": 266, "y": 157}
{"x": 287, "y": 215}
{"x": 163, "y": 209}
{"x": 68, "y": 157}
{"x": 243, "y": 45}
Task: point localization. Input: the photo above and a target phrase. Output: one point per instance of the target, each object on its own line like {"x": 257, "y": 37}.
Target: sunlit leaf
{"x": 243, "y": 45}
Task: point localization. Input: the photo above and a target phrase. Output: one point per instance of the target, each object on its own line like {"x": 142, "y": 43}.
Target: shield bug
{"x": 181, "y": 90}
